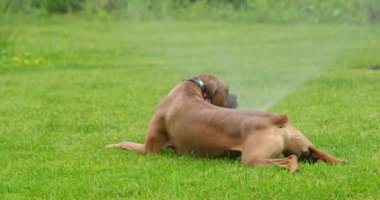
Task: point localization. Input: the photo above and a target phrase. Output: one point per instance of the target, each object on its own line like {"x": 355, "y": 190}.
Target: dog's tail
{"x": 280, "y": 120}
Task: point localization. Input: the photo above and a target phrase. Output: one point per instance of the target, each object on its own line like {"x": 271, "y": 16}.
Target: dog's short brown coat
{"x": 189, "y": 124}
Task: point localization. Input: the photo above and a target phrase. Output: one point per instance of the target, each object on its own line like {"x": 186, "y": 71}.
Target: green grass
{"x": 70, "y": 86}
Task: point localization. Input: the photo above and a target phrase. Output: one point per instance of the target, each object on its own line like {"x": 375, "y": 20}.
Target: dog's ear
{"x": 218, "y": 92}
{"x": 280, "y": 120}
{"x": 212, "y": 88}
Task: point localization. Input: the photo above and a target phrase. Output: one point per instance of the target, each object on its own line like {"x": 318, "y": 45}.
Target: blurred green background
{"x": 286, "y": 11}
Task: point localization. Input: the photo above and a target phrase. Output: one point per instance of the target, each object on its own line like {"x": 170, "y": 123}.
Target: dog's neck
{"x": 201, "y": 85}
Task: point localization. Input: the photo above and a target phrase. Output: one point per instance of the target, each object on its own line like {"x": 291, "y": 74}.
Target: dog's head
{"x": 218, "y": 92}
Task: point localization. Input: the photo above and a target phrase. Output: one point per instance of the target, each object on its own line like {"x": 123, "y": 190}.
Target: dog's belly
{"x": 204, "y": 144}
{"x": 201, "y": 151}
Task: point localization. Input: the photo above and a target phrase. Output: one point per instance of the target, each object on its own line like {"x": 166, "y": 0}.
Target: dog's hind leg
{"x": 263, "y": 149}
{"x": 289, "y": 162}
{"x": 317, "y": 154}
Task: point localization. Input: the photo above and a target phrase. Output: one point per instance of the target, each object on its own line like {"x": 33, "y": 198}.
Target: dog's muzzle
{"x": 232, "y": 101}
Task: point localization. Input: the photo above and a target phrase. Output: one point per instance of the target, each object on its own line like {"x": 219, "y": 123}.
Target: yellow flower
{"x": 38, "y": 61}
{"x": 16, "y": 58}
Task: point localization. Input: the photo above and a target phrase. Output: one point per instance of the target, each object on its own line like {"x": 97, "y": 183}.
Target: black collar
{"x": 201, "y": 85}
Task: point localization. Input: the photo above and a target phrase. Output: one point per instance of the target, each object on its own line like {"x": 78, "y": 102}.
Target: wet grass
{"x": 69, "y": 86}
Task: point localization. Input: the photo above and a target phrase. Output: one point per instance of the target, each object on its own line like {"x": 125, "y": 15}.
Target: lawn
{"x": 70, "y": 85}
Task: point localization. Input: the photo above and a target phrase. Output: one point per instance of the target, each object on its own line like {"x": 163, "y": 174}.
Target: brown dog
{"x": 192, "y": 120}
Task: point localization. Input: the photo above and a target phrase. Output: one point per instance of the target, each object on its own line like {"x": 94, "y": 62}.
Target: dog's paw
{"x": 110, "y": 146}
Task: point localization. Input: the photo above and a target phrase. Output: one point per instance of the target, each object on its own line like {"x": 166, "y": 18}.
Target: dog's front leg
{"x": 132, "y": 146}
{"x": 156, "y": 138}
